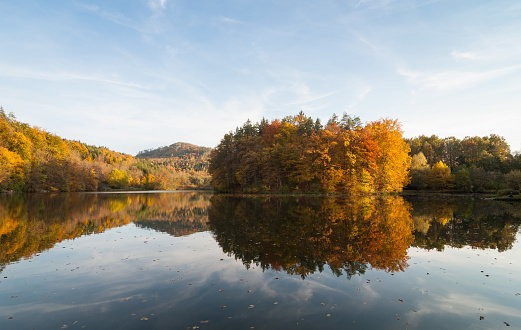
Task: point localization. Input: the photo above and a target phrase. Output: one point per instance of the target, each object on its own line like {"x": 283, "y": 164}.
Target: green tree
{"x": 513, "y": 179}
{"x": 462, "y": 180}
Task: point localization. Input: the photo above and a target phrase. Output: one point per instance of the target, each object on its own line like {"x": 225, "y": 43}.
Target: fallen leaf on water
{"x": 144, "y": 318}
{"x": 400, "y": 300}
{"x": 248, "y": 291}
{"x": 506, "y": 324}
{"x": 322, "y": 303}
{"x": 328, "y": 315}
{"x": 412, "y": 310}
{"x": 481, "y": 318}
{"x": 203, "y": 322}
{"x": 223, "y": 306}
{"x": 276, "y": 303}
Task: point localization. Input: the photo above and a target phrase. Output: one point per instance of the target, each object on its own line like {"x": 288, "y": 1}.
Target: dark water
{"x": 189, "y": 260}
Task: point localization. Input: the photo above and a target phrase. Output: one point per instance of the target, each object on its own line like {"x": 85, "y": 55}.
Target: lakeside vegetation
{"x": 295, "y": 154}
{"x": 474, "y": 164}
{"x": 299, "y": 154}
{"x": 33, "y": 160}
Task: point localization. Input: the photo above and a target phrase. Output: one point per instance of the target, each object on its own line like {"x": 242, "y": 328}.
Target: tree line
{"x": 299, "y": 154}
{"x": 474, "y": 164}
{"x": 33, "y": 160}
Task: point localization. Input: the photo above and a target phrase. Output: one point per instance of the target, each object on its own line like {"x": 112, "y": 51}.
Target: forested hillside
{"x": 299, "y": 154}
{"x": 182, "y": 157}
{"x": 474, "y": 164}
{"x": 33, "y": 160}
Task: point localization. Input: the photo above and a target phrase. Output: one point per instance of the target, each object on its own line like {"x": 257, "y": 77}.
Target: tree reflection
{"x": 32, "y": 223}
{"x": 459, "y": 222}
{"x": 293, "y": 234}
{"x": 303, "y": 235}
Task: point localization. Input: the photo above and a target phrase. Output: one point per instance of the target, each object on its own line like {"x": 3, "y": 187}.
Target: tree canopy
{"x": 298, "y": 154}
{"x": 473, "y": 164}
{"x": 33, "y": 160}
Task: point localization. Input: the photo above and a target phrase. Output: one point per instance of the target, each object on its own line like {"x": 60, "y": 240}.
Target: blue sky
{"x": 132, "y": 75}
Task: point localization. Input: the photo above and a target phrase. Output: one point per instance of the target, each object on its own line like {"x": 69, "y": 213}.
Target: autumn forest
{"x": 33, "y": 160}
{"x": 295, "y": 154}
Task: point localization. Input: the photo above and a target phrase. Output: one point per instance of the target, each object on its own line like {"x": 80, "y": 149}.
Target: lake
{"x": 193, "y": 260}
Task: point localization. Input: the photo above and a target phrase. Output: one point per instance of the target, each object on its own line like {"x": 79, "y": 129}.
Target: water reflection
{"x": 303, "y": 235}
{"x": 459, "y": 222}
{"x": 140, "y": 276}
{"x": 296, "y": 235}
{"x": 32, "y": 223}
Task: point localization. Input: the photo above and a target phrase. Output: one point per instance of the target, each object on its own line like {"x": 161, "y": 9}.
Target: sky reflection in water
{"x": 133, "y": 277}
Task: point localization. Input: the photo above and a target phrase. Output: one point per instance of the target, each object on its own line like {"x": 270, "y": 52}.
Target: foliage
{"x": 419, "y": 171}
{"x": 298, "y": 154}
{"x": 118, "y": 179}
{"x": 33, "y": 160}
{"x": 476, "y": 164}
{"x": 513, "y": 180}
{"x": 440, "y": 177}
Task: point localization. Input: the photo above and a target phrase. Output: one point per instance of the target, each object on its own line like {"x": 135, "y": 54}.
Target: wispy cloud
{"x": 114, "y": 17}
{"x": 228, "y": 20}
{"x": 465, "y": 55}
{"x": 449, "y": 80}
{"x": 26, "y": 73}
{"x": 157, "y": 4}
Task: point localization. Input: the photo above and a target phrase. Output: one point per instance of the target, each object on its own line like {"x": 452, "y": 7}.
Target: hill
{"x": 181, "y": 156}
{"x": 33, "y": 160}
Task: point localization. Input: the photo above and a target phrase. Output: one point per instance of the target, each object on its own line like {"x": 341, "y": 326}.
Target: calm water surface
{"x": 186, "y": 260}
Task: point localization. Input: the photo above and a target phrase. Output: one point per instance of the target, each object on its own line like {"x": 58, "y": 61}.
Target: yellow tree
{"x": 392, "y": 155}
{"x": 440, "y": 177}
{"x": 11, "y": 169}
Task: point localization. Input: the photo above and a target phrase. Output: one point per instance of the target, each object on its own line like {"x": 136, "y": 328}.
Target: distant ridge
{"x": 178, "y": 149}
{"x": 181, "y": 156}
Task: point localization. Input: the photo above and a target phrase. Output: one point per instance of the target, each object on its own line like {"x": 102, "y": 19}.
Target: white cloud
{"x": 450, "y": 80}
{"x": 465, "y": 55}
